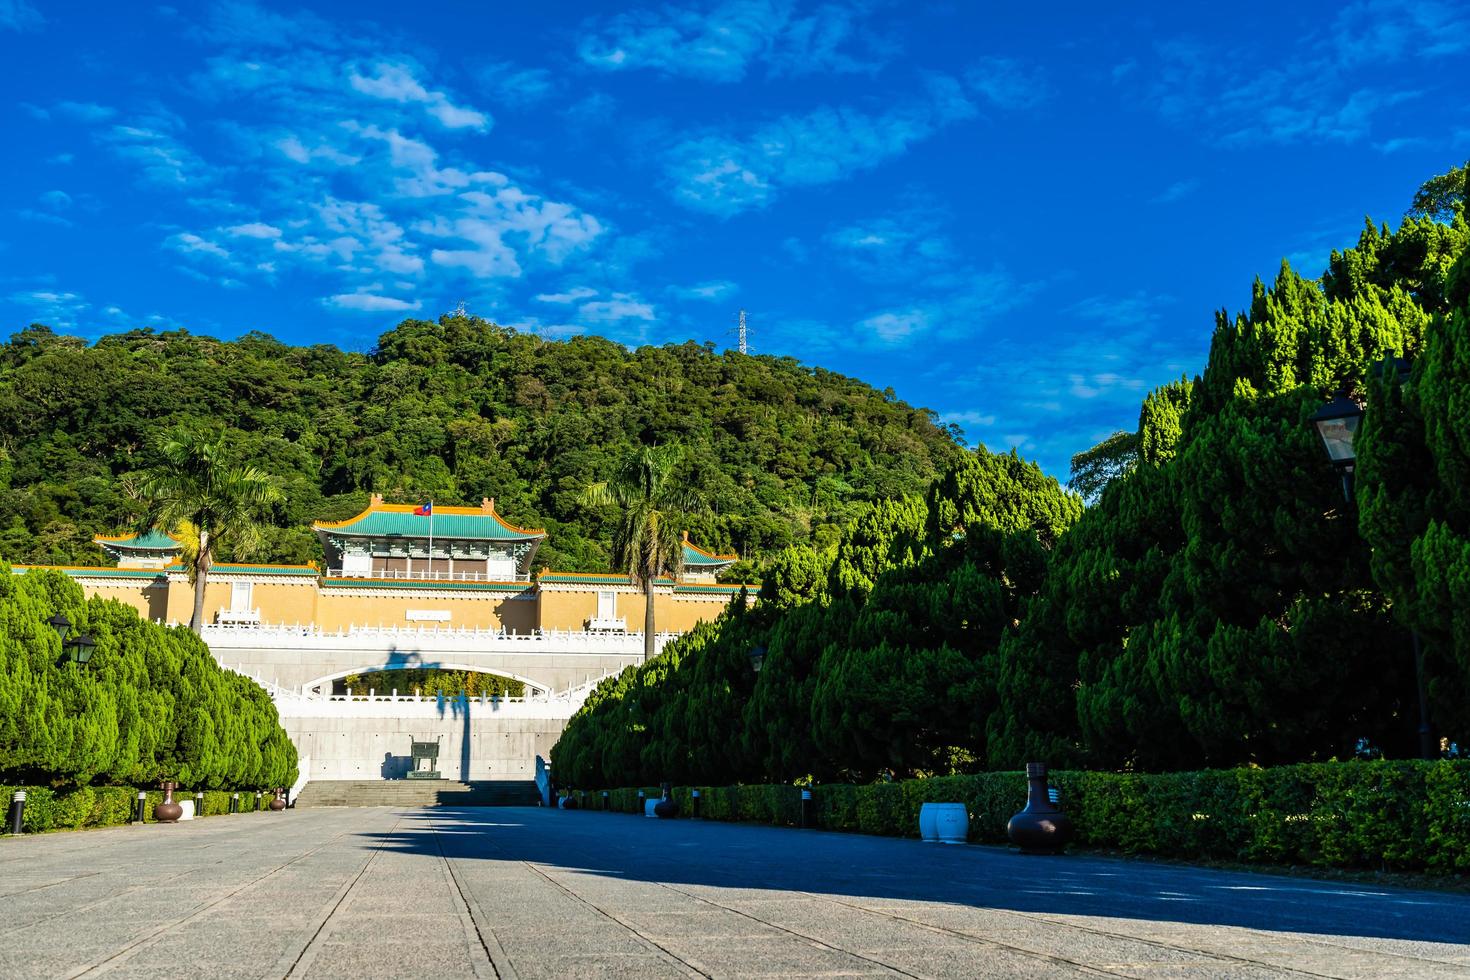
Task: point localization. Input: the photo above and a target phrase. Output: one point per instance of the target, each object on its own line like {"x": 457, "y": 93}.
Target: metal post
{"x": 198, "y": 805}
{"x": 141, "y": 815}
{"x": 257, "y": 801}
{"x": 17, "y": 811}
{"x": 234, "y": 802}
{"x": 604, "y": 799}
{"x": 806, "y": 809}
{"x": 694, "y": 804}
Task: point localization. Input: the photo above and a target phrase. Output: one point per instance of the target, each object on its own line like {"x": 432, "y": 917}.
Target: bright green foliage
{"x": 888, "y": 665}
{"x": 1221, "y": 603}
{"x": 1400, "y": 815}
{"x": 460, "y": 409}
{"x": 431, "y": 681}
{"x": 49, "y": 808}
{"x": 647, "y": 540}
{"x": 1413, "y": 494}
{"x": 202, "y": 495}
{"x": 152, "y": 704}
{"x": 1093, "y": 469}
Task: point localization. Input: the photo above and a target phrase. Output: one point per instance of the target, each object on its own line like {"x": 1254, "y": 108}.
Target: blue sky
{"x": 1020, "y": 217}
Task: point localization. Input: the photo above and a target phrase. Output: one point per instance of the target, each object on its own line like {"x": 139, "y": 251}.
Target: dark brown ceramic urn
{"x": 666, "y": 807}
{"x": 278, "y": 803}
{"x": 1041, "y": 828}
{"x": 168, "y": 811}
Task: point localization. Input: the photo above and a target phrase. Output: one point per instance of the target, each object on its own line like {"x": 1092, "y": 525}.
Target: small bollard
{"x": 17, "y": 811}
{"x": 694, "y": 805}
{"x": 198, "y": 804}
{"x": 234, "y": 802}
{"x": 642, "y": 805}
{"x": 140, "y": 815}
{"x": 806, "y": 809}
{"x": 257, "y": 801}
{"x": 604, "y": 799}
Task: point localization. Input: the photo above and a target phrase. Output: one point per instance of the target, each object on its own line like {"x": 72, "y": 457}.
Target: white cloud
{"x": 725, "y": 174}
{"x": 367, "y": 300}
{"x": 617, "y": 307}
{"x": 17, "y": 15}
{"x": 570, "y": 296}
{"x": 1176, "y": 191}
{"x": 86, "y": 112}
{"x": 55, "y": 200}
{"x": 516, "y": 87}
{"x": 255, "y": 229}
{"x": 891, "y": 329}
{"x": 721, "y": 43}
{"x": 1006, "y": 83}
{"x": 709, "y": 291}
{"x": 191, "y": 244}
{"x": 397, "y": 83}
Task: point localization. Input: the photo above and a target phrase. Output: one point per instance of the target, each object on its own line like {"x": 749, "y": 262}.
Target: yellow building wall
{"x": 148, "y": 598}
{"x": 293, "y": 600}
{"x": 571, "y": 610}
{"x": 288, "y": 600}
{"x": 474, "y": 610}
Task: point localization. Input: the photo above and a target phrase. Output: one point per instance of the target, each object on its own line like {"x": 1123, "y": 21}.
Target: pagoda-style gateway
{"x": 401, "y": 565}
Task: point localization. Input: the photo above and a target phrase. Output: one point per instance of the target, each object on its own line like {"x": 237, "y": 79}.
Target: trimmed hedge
{"x": 106, "y": 806}
{"x": 1403, "y": 814}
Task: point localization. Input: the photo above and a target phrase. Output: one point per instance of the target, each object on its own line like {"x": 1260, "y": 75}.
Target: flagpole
{"x": 431, "y": 538}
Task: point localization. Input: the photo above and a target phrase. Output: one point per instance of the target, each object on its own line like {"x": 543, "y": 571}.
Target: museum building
{"x": 401, "y": 565}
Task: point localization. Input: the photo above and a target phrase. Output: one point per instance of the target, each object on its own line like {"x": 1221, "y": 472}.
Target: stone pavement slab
{"x": 531, "y": 893}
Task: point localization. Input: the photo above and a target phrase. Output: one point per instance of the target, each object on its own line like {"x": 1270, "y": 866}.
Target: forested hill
{"x": 780, "y": 452}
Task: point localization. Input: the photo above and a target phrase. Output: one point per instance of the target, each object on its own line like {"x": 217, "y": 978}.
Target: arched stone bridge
{"x": 367, "y": 735}
{"x": 307, "y": 660}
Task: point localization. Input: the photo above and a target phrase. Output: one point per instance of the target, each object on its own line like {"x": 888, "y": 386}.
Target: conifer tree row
{"x": 1221, "y": 602}
{"x": 152, "y": 704}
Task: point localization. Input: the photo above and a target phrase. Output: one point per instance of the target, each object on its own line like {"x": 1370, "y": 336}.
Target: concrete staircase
{"x": 419, "y": 792}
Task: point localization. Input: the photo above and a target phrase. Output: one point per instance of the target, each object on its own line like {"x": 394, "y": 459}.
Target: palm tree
{"x": 200, "y": 495}
{"x": 647, "y": 540}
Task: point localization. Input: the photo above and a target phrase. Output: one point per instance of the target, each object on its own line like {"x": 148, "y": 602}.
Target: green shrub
{"x": 1403, "y": 814}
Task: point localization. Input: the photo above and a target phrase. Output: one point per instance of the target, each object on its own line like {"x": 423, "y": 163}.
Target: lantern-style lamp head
{"x": 61, "y": 625}
{"x": 81, "y": 648}
{"x": 1337, "y": 424}
{"x": 757, "y": 657}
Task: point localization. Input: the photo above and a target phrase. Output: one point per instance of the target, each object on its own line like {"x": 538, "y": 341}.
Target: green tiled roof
{"x": 390, "y": 583}
{"x": 150, "y": 540}
{"x": 693, "y": 556}
{"x": 460, "y": 523}
{"x": 100, "y": 571}
{"x": 717, "y": 589}
{"x": 228, "y": 568}
{"x": 584, "y": 578}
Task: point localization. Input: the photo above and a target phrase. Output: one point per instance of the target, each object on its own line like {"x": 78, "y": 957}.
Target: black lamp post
{"x": 79, "y": 648}
{"x": 1337, "y": 423}
{"x": 757, "y": 657}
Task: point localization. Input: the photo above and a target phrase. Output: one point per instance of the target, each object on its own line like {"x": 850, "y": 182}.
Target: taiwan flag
{"x": 427, "y": 510}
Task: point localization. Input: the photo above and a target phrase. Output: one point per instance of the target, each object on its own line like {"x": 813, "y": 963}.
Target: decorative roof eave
{"x": 718, "y": 588}
{"x": 376, "y": 507}
{"x": 695, "y": 555}
{"x": 245, "y": 568}
{"x": 92, "y": 571}
{"x": 150, "y": 540}
{"x": 426, "y": 585}
{"x": 595, "y": 578}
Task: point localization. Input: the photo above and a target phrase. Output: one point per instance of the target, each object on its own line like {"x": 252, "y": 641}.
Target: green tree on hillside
{"x": 648, "y": 540}
{"x": 203, "y": 492}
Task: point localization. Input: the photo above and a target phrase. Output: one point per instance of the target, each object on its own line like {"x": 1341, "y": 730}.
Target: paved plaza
{"x": 535, "y": 893}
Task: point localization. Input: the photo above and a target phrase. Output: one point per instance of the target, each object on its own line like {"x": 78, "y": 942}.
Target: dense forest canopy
{"x": 1223, "y": 602}
{"x": 460, "y": 409}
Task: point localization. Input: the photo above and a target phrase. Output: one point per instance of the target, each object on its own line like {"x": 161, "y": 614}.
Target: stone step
{"x": 410, "y": 793}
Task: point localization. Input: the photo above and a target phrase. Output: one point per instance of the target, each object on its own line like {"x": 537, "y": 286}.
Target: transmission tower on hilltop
{"x": 459, "y": 311}
{"x": 743, "y": 344}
